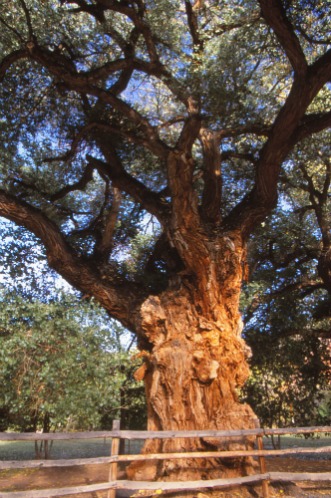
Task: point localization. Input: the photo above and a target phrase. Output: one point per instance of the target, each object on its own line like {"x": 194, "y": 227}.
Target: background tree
{"x": 109, "y": 120}
{"x": 62, "y": 366}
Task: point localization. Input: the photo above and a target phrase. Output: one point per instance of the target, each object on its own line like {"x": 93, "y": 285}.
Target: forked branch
{"x": 119, "y": 300}
{"x": 288, "y": 128}
{"x": 212, "y": 191}
{"x": 104, "y": 245}
{"x": 28, "y": 19}
{"x": 149, "y": 200}
{"x": 275, "y": 16}
{"x": 313, "y": 123}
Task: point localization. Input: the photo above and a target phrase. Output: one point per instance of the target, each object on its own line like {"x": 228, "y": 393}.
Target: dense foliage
{"x": 63, "y": 366}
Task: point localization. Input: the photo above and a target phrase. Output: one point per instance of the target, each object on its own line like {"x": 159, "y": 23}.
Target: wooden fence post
{"x": 115, "y": 444}
{"x": 262, "y": 464}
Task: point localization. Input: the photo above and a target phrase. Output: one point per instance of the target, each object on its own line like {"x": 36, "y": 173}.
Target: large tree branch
{"x": 151, "y": 68}
{"x": 313, "y": 123}
{"x": 180, "y": 175}
{"x": 258, "y": 203}
{"x": 74, "y": 144}
{"x": 136, "y": 16}
{"x": 189, "y": 133}
{"x": 130, "y": 136}
{"x": 119, "y": 300}
{"x": 193, "y": 25}
{"x": 104, "y": 245}
{"x": 122, "y": 82}
{"x": 324, "y": 266}
{"x": 185, "y": 230}
{"x": 319, "y": 73}
{"x": 327, "y": 181}
{"x": 97, "y": 11}
{"x": 152, "y": 202}
{"x": 275, "y": 16}
{"x": 221, "y": 28}
{"x": 259, "y": 130}
{"x": 319, "y": 200}
{"x": 63, "y": 69}
{"x": 88, "y": 82}
{"x": 12, "y": 29}
{"x": 109, "y": 130}
{"x": 81, "y": 184}
{"x": 212, "y": 191}
{"x": 154, "y": 66}
{"x": 28, "y": 19}
{"x": 10, "y": 59}
{"x": 306, "y": 287}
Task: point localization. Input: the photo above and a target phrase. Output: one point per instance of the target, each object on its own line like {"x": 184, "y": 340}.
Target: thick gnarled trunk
{"x": 192, "y": 372}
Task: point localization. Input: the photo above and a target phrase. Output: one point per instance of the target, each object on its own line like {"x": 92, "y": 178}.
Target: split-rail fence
{"x": 263, "y": 477}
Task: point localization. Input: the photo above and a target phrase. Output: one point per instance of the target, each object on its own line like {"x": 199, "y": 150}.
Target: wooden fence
{"x": 116, "y": 434}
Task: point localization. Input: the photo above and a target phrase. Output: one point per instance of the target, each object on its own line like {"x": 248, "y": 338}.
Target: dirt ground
{"x": 19, "y": 480}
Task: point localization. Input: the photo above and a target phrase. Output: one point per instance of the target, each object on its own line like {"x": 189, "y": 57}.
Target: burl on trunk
{"x": 195, "y": 364}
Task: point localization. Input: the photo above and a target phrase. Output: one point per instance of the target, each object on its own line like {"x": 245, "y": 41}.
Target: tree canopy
{"x": 96, "y": 96}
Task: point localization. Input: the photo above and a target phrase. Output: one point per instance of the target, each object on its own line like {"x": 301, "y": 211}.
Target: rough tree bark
{"x": 194, "y": 366}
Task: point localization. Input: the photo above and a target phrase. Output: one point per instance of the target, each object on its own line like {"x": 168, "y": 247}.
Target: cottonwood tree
{"x": 158, "y": 131}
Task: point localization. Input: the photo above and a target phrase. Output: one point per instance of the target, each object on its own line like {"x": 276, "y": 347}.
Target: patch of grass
{"x": 24, "y": 450}
{"x": 317, "y": 441}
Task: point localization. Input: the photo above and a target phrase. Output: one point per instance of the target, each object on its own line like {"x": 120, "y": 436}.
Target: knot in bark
{"x": 205, "y": 368}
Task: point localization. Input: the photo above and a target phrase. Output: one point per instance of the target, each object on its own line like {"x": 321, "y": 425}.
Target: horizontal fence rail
{"x": 33, "y": 436}
{"x": 115, "y": 435}
{"x": 169, "y": 486}
{"x": 32, "y": 464}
